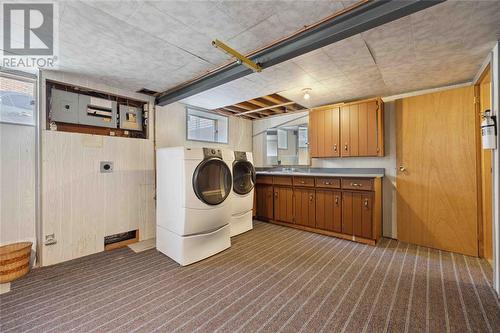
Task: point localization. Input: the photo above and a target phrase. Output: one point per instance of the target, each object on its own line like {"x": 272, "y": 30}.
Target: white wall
{"x": 171, "y": 130}
{"x": 80, "y": 205}
{"x": 17, "y": 183}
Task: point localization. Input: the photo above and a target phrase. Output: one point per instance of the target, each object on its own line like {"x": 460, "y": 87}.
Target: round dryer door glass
{"x": 212, "y": 181}
{"x": 243, "y": 177}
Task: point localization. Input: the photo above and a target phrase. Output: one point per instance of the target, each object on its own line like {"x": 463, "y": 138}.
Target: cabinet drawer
{"x": 327, "y": 182}
{"x": 282, "y": 180}
{"x": 303, "y": 181}
{"x": 357, "y": 184}
{"x": 264, "y": 179}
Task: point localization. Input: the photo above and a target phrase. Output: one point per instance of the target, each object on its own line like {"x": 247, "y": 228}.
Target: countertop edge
{"x": 318, "y": 174}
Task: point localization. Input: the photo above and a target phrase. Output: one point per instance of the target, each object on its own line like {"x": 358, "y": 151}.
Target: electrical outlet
{"x": 50, "y": 239}
{"x": 106, "y": 167}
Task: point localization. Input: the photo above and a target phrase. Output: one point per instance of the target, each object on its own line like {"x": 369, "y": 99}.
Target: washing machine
{"x": 243, "y": 196}
{"x": 193, "y": 202}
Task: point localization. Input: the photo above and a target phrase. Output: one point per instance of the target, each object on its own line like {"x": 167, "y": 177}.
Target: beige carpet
{"x": 273, "y": 279}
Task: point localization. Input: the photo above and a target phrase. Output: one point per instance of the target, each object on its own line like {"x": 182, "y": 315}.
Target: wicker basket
{"x": 14, "y": 261}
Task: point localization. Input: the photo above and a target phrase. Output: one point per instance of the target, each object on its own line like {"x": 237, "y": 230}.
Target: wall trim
{"x": 425, "y": 91}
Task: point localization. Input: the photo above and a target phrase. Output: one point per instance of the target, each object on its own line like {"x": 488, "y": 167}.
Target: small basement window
{"x": 206, "y": 126}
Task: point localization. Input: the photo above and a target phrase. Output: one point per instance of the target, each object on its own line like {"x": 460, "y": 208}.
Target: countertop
{"x": 324, "y": 172}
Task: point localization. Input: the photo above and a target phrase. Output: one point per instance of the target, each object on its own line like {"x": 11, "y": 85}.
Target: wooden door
{"x": 347, "y": 217}
{"x": 283, "y": 204}
{"x": 362, "y": 215}
{"x": 264, "y": 201}
{"x": 329, "y": 210}
{"x": 304, "y": 205}
{"x": 437, "y": 182}
{"x": 483, "y": 91}
{"x": 368, "y": 128}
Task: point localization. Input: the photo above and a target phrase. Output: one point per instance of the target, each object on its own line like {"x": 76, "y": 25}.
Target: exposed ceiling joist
{"x": 260, "y": 104}
{"x": 337, "y": 27}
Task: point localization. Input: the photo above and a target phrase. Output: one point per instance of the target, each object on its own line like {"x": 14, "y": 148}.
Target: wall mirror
{"x": 287, "y": 145}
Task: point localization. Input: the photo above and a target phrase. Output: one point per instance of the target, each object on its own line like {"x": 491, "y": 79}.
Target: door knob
{"x": 402, "y": 168}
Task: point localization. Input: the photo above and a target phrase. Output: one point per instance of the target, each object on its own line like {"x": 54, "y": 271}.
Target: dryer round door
{"x": 243, "y": 177}
{"x": 212, "y": 181}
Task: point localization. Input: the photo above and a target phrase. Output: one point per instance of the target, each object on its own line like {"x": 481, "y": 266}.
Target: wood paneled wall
{"x": 80, "y": 205}
{"x": 17, "y": 183}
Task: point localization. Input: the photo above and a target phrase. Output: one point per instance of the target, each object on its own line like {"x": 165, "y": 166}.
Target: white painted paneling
{"x": 80, "y": 205}
{"x": 171, "y": 130}
{"x": 17, "y": 183}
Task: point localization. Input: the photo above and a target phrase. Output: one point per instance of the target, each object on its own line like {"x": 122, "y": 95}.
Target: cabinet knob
{"x": 311, "y": 197}
{"x": 402, "y": 168}
{"x": 336, "y": 201}
{"x": 335, "y": 147}
{"x": 276, "y": 194}
{"x": 345, "y": 147}
{"x": 366, "y": 203}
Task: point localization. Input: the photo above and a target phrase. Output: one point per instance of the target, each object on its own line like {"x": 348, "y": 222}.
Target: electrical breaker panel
{"x": 96, "y": 111}
{"x": 130, "y": 117}
{"x": 64, "y": 106}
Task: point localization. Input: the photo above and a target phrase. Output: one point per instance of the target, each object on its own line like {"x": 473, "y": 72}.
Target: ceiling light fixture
{"x": 306, "y": 92}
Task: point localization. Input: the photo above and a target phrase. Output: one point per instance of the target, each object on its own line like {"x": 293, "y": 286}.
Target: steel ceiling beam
{"x": 361, "y": 18}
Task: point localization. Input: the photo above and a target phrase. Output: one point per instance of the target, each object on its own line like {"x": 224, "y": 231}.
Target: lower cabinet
{"x": 347, "y": 208}
{"x": 305, "y": 208}
{"x": 283, "y": 204}
{"x": 357, "y": 214}
{"x": 264, "y": 197}
{"x": 329, "y": 210}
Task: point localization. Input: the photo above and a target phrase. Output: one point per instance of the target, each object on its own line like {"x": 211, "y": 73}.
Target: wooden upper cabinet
{"x": 352, "y": 129}
{"x": 324, "y": 132}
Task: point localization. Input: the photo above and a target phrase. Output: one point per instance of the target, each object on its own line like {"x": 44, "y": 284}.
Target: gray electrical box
{"x": 96, "y": 111}
{"x": 130, "y": 117}
{"x": 64, "y": 106}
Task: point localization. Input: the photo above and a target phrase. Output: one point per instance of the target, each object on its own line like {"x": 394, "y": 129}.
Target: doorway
{"x": 438, "y": 161}
{"x": 485, "y": 228}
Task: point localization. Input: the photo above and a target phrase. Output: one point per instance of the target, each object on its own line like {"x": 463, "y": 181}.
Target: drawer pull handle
{"x": 356, "y": 184}
{"x": 302, "y": 182}
{"x": 328, "y": 183}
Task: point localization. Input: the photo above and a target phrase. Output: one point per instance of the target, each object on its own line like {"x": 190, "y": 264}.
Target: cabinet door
{"x": 354, "y": 130}
{"x": 367, "y": 128}
{"x": 347, "y": 218}
{"x": 331, "y": 121}
{"x": 328, "y": 210}
{"x": 265, "y": 201}
{"x": 345, "y": 130}
{"x": 362, "y": 215}
{"x": 283, "y": 204}
{"x": 304, "y": 204}
{"x": 313, "y": 133}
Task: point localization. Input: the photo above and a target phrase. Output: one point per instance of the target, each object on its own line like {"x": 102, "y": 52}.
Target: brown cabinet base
{"x": 325, "y": 232}
{"x": 349, "y": 208}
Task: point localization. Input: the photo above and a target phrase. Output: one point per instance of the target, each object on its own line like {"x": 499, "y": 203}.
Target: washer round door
{"x": 212, "y": 181}
{"x": 243, "y": 177}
